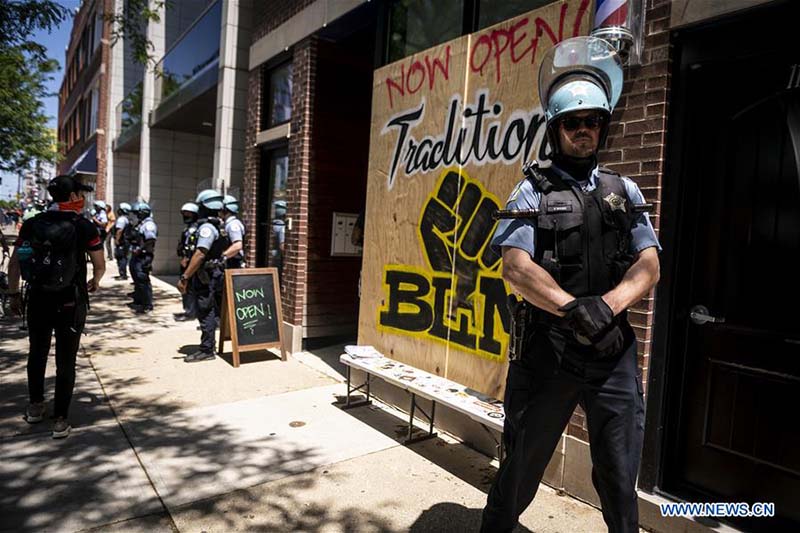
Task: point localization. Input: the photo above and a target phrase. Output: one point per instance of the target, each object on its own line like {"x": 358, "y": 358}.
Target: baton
{"x": 534, "y": 213}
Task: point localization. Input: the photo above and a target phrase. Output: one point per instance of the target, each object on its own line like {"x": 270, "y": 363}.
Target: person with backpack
{"x": 142, "y": 254}
{"x": 49, "y": 254}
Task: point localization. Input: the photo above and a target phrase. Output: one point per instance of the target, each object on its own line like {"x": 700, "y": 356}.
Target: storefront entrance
{"x": 732, "y": 341}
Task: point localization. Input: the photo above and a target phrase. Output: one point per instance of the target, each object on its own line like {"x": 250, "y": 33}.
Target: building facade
{"x": 179, "y": 126}
{"x": 706, "y": 141}
{"x": 83, "y": 96}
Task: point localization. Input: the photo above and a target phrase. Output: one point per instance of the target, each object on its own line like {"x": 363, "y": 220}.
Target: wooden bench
{"x": 487, "y": 411}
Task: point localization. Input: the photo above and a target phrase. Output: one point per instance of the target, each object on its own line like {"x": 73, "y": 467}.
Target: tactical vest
{"x": 188, "y": 241}
{"x": 583, "y": 238}
{"x": 221, "y": 243}
{"x": 128, "y": 233}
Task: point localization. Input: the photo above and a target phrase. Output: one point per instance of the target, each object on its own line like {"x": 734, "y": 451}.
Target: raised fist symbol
{"x": 455, "y": 228}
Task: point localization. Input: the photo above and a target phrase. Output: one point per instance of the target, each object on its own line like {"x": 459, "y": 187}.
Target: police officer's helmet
{"x": 280, "y": 208}
{"x": 190, "y": 207}
{"x": 143, "y": 210}
{"x": 231, "y": 203}
{"x": 124, "y": 208}
{"x": 210, "y": 199}
{"x": 579, "y": 74}
{"x": 99, "y": 204}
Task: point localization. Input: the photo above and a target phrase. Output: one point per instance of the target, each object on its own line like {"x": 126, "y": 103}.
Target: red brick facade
{"x": 79, "y": 73}
{"x": 293, "y": 282}
{"x": 636, "y": 148}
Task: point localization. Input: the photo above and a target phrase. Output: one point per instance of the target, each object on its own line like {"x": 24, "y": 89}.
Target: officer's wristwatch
{"x": 183, "y": 278}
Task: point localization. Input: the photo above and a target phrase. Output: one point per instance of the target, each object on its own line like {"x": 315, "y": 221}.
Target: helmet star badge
{"x": 616, "y": 202}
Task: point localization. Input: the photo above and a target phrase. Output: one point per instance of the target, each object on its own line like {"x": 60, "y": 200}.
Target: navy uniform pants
{"x": 121, "y": 255}
{"x": 208, "y": 290}
{"x": 66, "y": 317}
{"x": 141, "y": 265}
{"x": 542, "y": 391}
{"x": 189, "y": 300}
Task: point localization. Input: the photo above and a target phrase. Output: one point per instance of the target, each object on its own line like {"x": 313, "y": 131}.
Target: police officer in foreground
{"x": 587, "y": 257}
{"x": 205, "y": 271}
{"x": 121, "y": 244}
{"x": 234, "y": 228}
{"x": 186, "y": 247}
{"x": 142, "y": 254}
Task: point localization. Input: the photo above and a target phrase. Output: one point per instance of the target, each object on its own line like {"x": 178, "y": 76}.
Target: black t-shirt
{"x": 88, "y": 241}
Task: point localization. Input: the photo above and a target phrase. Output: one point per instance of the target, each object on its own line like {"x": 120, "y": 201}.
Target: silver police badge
{"x": 616, "y": 202}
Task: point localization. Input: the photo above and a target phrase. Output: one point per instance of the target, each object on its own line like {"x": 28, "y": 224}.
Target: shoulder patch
{"x": 205, "y": 232}
{"x": 150, "y": 226}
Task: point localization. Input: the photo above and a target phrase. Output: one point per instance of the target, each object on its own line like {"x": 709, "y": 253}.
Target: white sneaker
{"x": 61, "y": 428}
{"x": 34, "y": 413}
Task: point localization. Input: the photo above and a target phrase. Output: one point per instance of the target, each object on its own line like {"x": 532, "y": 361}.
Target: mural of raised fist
{"x": 455, "y": 228}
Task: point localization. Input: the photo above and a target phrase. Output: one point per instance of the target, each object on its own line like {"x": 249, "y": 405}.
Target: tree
{"x": 24, "y": 71}
{"x": 131, "y": 24}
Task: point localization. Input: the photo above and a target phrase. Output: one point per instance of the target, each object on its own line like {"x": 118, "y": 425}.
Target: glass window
{"x": 197, "y": 49}
{"x": 95, "y": 107}
{"x": 98, "y": 26}
{"x": 416, "y": 25}
{"x": 278, "y": 175}
{"x": 493, "y": 11}
{"x": 278, "y": 96}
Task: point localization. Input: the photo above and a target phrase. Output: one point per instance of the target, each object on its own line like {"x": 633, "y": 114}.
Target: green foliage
{"x": 24, "y": 71}
{"x": 131, "y": 25}
{"x": 132, "y": 107}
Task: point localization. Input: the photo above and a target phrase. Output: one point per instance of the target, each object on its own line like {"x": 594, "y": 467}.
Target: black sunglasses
{"x": 592, "y": 122}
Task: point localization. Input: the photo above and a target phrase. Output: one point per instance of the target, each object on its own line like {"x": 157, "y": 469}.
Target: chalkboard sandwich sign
{"x": 251, "y": 311}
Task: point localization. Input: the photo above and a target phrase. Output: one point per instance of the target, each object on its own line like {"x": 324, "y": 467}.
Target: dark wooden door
{"x": 734, "y": 391}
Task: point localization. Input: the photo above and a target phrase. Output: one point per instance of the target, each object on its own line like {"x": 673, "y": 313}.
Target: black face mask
{"x": 578, "y": 167}
{"x": 188, "y": 220}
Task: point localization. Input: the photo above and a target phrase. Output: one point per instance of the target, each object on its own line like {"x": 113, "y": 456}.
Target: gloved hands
{"x": 592, "y": 320}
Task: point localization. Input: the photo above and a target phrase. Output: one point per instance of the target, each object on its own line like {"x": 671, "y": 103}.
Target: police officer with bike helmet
{"x": 234, "y": 228}
{"x": 205, "y": 271}
{"x": 142, "y": 254}
{"x": 186, "y": 247}
{"x": 588, "y": 256}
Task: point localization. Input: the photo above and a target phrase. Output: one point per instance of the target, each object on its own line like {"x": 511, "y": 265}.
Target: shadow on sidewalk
{"x": 94, "y": 477}
{"x": 453, "y": 517}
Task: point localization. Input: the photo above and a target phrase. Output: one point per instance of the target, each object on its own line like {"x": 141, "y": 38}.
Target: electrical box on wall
{"x": 341, "y": 235}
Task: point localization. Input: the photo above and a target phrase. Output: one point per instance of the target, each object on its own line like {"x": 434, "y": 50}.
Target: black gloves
{"x": 592, "y": 320}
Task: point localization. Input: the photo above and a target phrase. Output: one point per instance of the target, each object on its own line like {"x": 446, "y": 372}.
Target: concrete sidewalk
{"x": 161, "y": 445}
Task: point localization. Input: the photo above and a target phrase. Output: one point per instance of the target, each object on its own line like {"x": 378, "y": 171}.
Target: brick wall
{"x": 268, "y": 16}
{"x": 103, "y": 112}
{"x": 273, "y": 13}
{"x": 301, "y": 172}
{"x": 636, "y": 148}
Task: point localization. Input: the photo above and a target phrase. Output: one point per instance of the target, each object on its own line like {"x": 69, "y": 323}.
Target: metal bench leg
{"x": 351, "y": 389}
{"x": 411, "y": 417}
{"x": 414, "y": 407}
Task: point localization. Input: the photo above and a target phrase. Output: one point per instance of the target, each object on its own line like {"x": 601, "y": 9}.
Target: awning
{"x": 86, "y": 163}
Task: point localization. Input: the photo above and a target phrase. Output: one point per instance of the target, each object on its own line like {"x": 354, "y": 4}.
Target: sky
{"x": 56, "y": 43}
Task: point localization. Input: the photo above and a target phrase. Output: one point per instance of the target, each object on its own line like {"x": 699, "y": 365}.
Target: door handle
{"x": 699, "y": 315}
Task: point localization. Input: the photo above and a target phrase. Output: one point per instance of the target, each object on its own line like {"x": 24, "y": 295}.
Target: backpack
{"x": 52, "y": 262}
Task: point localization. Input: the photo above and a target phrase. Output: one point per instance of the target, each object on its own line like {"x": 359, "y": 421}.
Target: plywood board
{"x": 451, "y": 128}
